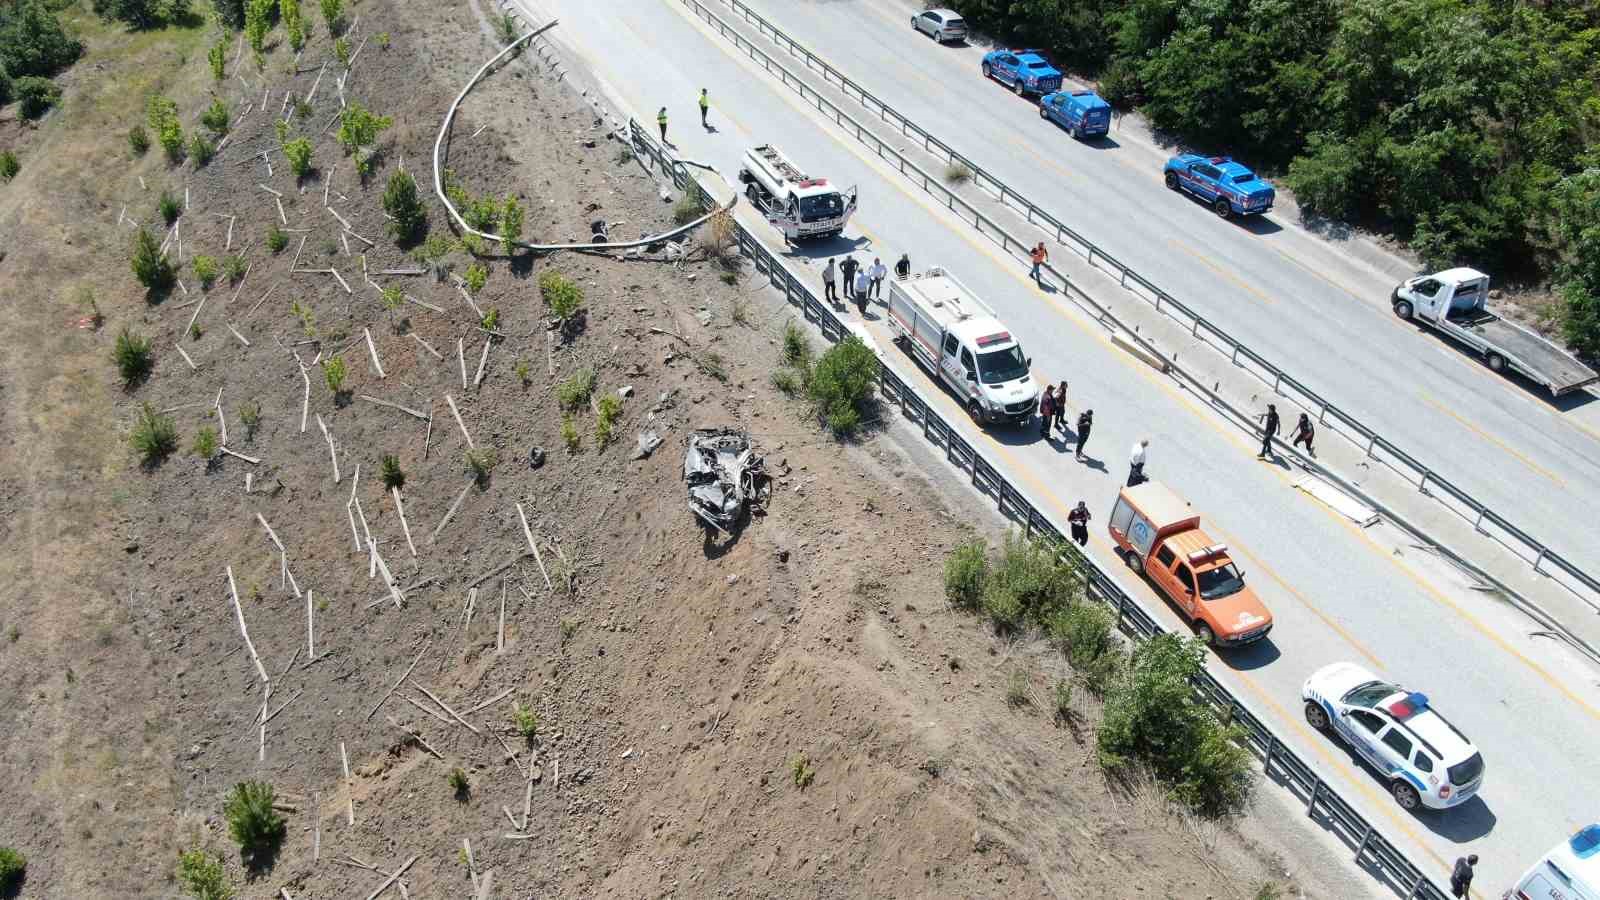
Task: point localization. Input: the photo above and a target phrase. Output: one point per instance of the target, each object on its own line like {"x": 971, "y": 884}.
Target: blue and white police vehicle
{"x": 1426, "y": 761}
{"x": 1024, "y": 71}
{"x": 1083, "y": 113}
{"x": 1228, "y": 187}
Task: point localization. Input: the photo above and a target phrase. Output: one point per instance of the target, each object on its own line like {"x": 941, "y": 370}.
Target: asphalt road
{"x": 1319, "y": 309}
{"x": 1336, "y": 591}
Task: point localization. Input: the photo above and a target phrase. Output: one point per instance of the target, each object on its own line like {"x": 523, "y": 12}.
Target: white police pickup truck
{"x": 1424, "y": 758}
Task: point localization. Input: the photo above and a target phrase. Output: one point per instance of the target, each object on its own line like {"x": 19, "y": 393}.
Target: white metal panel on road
{"x": 1336, "y": 591}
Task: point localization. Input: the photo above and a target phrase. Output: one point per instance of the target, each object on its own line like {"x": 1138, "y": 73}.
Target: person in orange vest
{"x": 1038, "y": 256}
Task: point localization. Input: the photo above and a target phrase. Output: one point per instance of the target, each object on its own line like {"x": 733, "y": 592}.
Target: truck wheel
{"x": 987, "y": 72}
{"x": 1405, "y": 795}
{"x": 1497, "y": 363}
{"x": 1205, "y": 634}
{"x": 751, "y": 193}
{"x": 1316, "y": 716}
{"x": 1016, "y": 87}
{"x": 1172, "y": 181}
{"x": 1402, "y": 309}
{"x": 1132, "y": 560}
{"x": 1220, "y": 207}
{"x": 1042, "y": 113}
{"x": 975, "y": 411}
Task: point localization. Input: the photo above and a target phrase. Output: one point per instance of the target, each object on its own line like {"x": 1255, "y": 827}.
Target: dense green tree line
{"x": 1469, "y": 128}
{"x": 33, "y": 46}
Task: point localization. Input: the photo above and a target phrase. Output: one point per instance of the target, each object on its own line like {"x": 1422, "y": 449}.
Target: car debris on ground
{"x": 725, "y": 475}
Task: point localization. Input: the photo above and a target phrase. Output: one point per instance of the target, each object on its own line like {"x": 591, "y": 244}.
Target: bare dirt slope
{"x": 678, "y": 677}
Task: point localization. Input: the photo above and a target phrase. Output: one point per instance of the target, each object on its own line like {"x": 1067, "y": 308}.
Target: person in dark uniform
{"x": 849, "y": 267}
{"x": 902, "y": 269}
{"x": 1079, "y": 520}
{"x": 1085, "y": 424}
{"x": 1269, "y": 428}
{"x": 1047, "y": 411}
{"x": 1304, "y": 433}
{"x": 1461, "y": 876}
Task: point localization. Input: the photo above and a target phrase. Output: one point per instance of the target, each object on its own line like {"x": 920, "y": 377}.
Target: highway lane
{"x": 1337, "y": 592}
{"x": 1315, "y": 309}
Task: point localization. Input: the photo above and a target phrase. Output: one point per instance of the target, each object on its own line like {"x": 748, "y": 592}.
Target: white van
{"x": 1570, "y": 871}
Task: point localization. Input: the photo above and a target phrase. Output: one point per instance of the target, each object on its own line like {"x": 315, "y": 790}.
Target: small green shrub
{"x": 205, "y": 443}
{"x": 12, "y": 863}
{"x": 605, "y": 423}
{"x": 569, "y": 629}
{"x": 250, "y": 415}
{"x": 389, "y": 470}
{"x": 216, "y": 117}
{"x": 511, "y": 216}
{"x": 9, "y": 165}
{"x": 475, "y": 278}
{"x": 154, "y": 436}
{"x": 138, "y": 140}
{"x": 796, "y": 346}
{"x": 277, "y": 239}
{"x": 169, "y": 207}
{"x": 383, "y": 40}
{"x": 407, "y": 216}
{"x": 575, "y": 392}
{"x": 341, "y": 51}
{"x": 690, "y": 206}
{"x": 252, "y": 822}
{"x": 133, "y": 356}
{"x": 966, "y": 571}
{"x": 201, "y": 149}
{"x": 506, "y": 24}
{"x": 1061, "y": 700}
{"x": 358, "y": 130}
{"x": 801, "y": 772}
{"x": 458, "y": 783}
{"x": 787, "y": 382}
{"x": 841, "y": 384}
{"x": 491, "y": 319}
{"x": 957, "y": 173}
{"x": 524, "y": 372}
{"x": 334, "y": 372}
{"x": 570, "y": 435}
{"x": 1084, "y": 632}
{"x": 525, "y": 720}
{"x": 1018, "y": 692}
{"x": 480, "y": 462}
{"x": 561, "y": 294}
{"x": 217, "y": 56}
{"x": 712, "y": 364}
{"x": 234, "y": 267}
{"x": 35, "y": 95}
{"x": 1027, "y": 584}
{"x": 298, "y": 152}
{"x": 205, "y": 269}
{"x": 162, "y": 116}
{"x": 149, "y": 266}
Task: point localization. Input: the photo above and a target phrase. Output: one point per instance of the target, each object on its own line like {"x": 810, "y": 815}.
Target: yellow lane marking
{"x": 1324, "y": 278}
{"x": 1233, "y": 436}
{"x": 1023, "y": 146}
{"x": 1260, "y": 294}
{"x": 1512, "y": 452}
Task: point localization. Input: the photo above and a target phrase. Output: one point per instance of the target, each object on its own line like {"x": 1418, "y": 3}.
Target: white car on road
{"x": 1424, "y": 758}
{"x": 942, "y": 25}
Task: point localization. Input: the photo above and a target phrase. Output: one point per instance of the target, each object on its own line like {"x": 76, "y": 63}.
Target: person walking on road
{"x": 1269, "y": 429}
{"x": 1061, "y": 408}
{"x": 1047, "y": 409}
{"x": 830, "y": 282}
{"x": 661, "y": 120}
{"x": 862, "y": 287}
{"x": 705, "y": 106}
{"x": 1304, "y": 433}
{"x": 1136, "y": 463}
{"x": 902, "y": 269}
{"x": 878, "y": 272}
{"x": 1461, "y": 876}
{"x": 849, "y": 267}
{"x": 1079, "y": 520}
{"x": 1085, "y": 424}
{"x": 1039, "y": 257}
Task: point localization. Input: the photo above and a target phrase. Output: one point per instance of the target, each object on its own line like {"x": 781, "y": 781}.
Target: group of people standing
{"x": 1053, "y": 415}
{"x": 861, "y": 283}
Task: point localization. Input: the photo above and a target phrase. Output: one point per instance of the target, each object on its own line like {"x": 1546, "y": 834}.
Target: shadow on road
{"x": 1250, "y": 657}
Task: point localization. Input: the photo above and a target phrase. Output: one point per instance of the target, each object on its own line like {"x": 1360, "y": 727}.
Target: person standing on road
{"x": 902, "y": 269}
{"x": 1303, "y": 432}
{"x": 1039, "y": 256}
{"x": 1047, "y": 409}
{"x": 1269, "y": 428}
{"x": 661, "y": 120}
{"x": 1136, "y": 463}
{"x": 1061, "y": 408}
{"x": 830, "y": 282}
{"x": 1079, "y": 520}
{"x": 849, "y": 267}
{"x": 705, "y": 106}
{"x": 1085, "y": 423}
{"x": 878, "y": 272}
{"x": 862, "y": 287}
{"x": 1461, "y": 876}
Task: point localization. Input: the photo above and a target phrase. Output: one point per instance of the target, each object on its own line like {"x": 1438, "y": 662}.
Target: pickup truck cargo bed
{"x": 1560, "y": 372}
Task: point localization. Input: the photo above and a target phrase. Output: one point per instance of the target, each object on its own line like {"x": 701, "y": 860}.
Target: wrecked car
{"x": 725, "y": 475}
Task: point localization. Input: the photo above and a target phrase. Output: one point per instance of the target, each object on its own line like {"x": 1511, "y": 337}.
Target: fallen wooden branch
{"x": 416, "y": 737}
{"x": 492, "y": 700}
{"x": 248, "y": 644}
{"x": 236, "y": 454}
{"x": 222, "y": 420}
{"x": 392, "y": 878}
{"x": 496, "y": 570}
{"x": 528, "y": 533}
{"x": 281, "y": 214}
{"x": 450, "y": 514}
{"x": 269, "y": 190}
{"x": 349, "y": 786}
{"x": 397, "y": 682}
{"x": 500, "y": 635}
{"x": 305, "y": 404}
{"x": 461, "y": 357}
{"x": 179, "y": 348}
{"x": 189, "y": 328}
{"x": 427, "y": 346}
{"x": 332, "y": 453}
{"x": 236, "y": 334}
{"x": 428, "y": 436}
{"x": 342, "y": 220}
{"x": 405, "y": 409}
{"x": 457, "y": 413}
{"x": 418, "y": 704}
{"x": 425, "y": 305}
{"x": 373, "y": 349}
{"x": 400, "y": 508}
{"x": 261, "y": 301}
{"x": 477, "y": 380}
{"x": 340, "y": 278}
{"x": 417, "y": 271}
{"x": 311, "y": 629}
{"x": 443, "y": 706}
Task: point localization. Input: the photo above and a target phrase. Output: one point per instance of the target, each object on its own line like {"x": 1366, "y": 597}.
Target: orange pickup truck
{"x": 1158, "y": 534}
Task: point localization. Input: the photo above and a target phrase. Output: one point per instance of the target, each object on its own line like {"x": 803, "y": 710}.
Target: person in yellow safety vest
{"x": 705, "y": 105}
{"x": 661, "y": 120}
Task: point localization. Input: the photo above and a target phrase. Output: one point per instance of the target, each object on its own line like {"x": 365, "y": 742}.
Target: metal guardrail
{"x": 1373, "y": 852}
{"x": 1486, "y": 521}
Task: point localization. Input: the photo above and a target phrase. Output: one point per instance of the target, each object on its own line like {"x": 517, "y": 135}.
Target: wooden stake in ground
{"x": 349, "y": 786}
{"x": 179, "y": 348}
{"x": 500, "y": 637}
{"x": 373, "y": 349}
{"x": 392, "y": 878}
{"x": 455, "y": 715}
{"x": 397, "y": 682}
{"x": 222, "y": 420}
{"x": 332, "y": 454}
{"x": 450, "y": 514}
{"x": 429, "y": 347}
{"x": 311, "y": 629}
{"x": 462, "y": 425}
{"x": 245, "y": 632}
{"x": 528, "y": 533}
{"x": 305, "y": 403}
{"x": 401, "y": 509}
{"x": 483, "y": 360}
{"x": 461, "y": 355}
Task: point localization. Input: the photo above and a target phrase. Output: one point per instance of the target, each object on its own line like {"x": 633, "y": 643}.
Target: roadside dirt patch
{"x": 684, "y": 682}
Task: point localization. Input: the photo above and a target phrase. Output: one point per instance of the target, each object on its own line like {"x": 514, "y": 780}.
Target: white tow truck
{"x": 1453, "y": 302}
{"x": 803, "y": 207}
{"x": 958, "y": 339}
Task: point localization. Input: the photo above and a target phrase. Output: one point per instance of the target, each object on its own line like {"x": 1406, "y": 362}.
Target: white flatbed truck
{"x": 803, "y": 207}
{"x": 960, "y": 342}
{"x": 1453, "y": 302}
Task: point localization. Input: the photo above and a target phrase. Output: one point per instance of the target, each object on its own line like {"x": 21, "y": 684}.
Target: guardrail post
{"x": 1316, "y": 794}
{"x": 1366, "y": 838}
{"x": 1370, "y": 444}
{"x": 1277, "y": 381}
{"x": 1272, "y": 750}
{"x": 1478, "y": 524}
{"x": 1423, "y": 484}
{"x": 1539, "y": 559}
{"x": 1416, "y": 886}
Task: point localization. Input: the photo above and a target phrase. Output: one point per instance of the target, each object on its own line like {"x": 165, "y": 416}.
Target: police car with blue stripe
{"x": 1424, "y": 758}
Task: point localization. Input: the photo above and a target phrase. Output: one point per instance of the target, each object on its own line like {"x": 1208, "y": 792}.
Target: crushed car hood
{"x": 724, "y": 475}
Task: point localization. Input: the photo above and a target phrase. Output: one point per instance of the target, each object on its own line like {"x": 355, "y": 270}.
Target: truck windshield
{"x": 822, "y": 206}
{"x": 1370, "y": 694}
{"x": 999, "y": 366}
{"x": 1220, "y": 582}
{"x": 1246, "y": 178}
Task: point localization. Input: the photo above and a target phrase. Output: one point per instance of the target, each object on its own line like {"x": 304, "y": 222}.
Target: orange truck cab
{"x": 1158, "y": 534}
